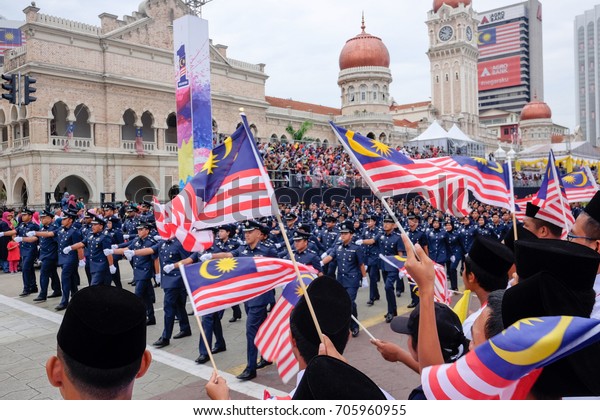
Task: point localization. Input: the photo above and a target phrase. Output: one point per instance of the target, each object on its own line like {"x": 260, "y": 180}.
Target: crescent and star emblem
{"x": 359, "y": 148}
{"x": 204, "y": 271}
{"x": 538, "y": 351}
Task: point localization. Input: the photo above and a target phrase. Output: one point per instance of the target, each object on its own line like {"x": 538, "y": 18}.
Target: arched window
{"x": 351, "y": 97}
{"x": 363, "y": 93}
{"x": 128, "y": 129}
{"x": 82, "y": 125}
{"x": 171, "y": 131}
{"x": 58, "y": 123}
{"x": 147, "y": 129}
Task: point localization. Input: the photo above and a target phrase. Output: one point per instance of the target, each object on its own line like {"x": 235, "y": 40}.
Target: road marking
{"x": 248, "y": 388}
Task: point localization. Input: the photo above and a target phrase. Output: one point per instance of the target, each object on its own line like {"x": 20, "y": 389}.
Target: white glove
{"x": 365, "y": 282}
{"x": 157, "y": 238}
{"x": 125, "y": 236}
{"x": 67, "y": 249}
{"x": 277, "y": 245}
{"x": 114, "y": 246}
{"x": 1, "y": 234}
{"x": 18, "y": 239}
{"x": 206, "y": 257}
{"x": 129, "y": 254}
{"x": 31, "y": 233}
{"x": 359, "y": 242}
{"x": 323, "y": 255}
{"x": 168, "y": 268}
{"x": 452, "y": 258}
{"x": 366, "y": 268}
{"x": 108, "y": 252}
{"x": 112, "y": 269}
{"x": 82, "y": 263}
{"x": 157, "y": 278}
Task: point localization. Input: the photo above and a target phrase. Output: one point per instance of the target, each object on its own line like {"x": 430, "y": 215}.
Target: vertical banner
{"x": 192, "y": 93}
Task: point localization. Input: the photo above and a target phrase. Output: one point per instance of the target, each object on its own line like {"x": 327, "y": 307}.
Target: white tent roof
{"x": 433, "y": 132}
{"x": 457, "y": 134}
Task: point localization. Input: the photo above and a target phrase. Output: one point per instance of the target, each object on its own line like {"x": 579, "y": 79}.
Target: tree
{"x": 299, "y": 135}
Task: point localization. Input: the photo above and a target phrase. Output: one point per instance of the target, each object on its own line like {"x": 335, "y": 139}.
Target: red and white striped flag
{"x": 232, "y": 186}
{"x": 552, "y": 200}
{"x": 440, "y": 292}
{"x": 217, "y": 284}
{"x": 273, "y": 336}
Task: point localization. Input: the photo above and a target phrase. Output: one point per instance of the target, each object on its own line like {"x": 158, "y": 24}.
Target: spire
{"x": 363, "y": 22}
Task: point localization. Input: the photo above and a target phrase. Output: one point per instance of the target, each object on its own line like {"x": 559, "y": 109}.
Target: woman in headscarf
{"x": 5, "y": 225}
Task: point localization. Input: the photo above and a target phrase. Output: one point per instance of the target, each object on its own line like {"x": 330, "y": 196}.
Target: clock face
{"x": 469, "y": 33}
{"x": 446, "y": 33}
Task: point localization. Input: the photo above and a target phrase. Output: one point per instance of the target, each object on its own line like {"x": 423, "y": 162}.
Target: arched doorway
{"x": 73, "y": 185}
{"x": 20, "y": 194}
{"x": 139, "y": 189}
{"x": 3, "y": 195}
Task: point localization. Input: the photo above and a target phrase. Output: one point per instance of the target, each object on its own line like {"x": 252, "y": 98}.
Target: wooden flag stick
{"x": 512, "y": 198}
{"x": 275, "y": 211}
{"x": 362, "y": 327}
{"x": 210, "y": 355}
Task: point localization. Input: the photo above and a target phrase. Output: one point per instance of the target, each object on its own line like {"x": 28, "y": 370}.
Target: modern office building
{"x": 511, "y": 69}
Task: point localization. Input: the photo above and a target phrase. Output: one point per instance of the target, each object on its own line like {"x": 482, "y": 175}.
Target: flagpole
{"x": 189, "y": 292}
{"x": 375, "y": 190}
{"x": 275, "y": 211}
{"x": 557, "y": 182}
{"x": 512, "y": 194}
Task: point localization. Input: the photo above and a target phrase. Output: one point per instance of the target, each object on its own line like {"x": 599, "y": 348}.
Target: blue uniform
{"x": 467, "y": 237}
{"x": 437, "y": 245}
{"x": 349, "y": 259}
{"x": 499, "y": 231}
{"x": 68, "y": 262}
{"x": 28, "y": 255}
{"x": 48, "y": 257}
{"x": 143, "y": 272}
{"x": 328, "y": 239}
{"x": 96, "y": 243}
{"x": 171, "y": 251}
{"x": 456, "y": 253}
{"x": 116, "y": 237}
{"x": 416, "y": 236}
{"x": 147, "y": 217}
{"x": 86, "y": 230}
{"x": 371, "y": 253}
{"x": 391, "y": 244}
{"x": 256, "y": 308}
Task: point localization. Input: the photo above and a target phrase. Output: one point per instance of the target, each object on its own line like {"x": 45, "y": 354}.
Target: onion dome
{"x": 536, "y": 110}
{"x": 364, "y": 50}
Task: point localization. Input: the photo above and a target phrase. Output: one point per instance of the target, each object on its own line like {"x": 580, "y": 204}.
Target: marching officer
{"x": 468, "y": 232}
{"x": 108, "y": 212}
{"x": 303, "y": 254}
{"x": 68, "y": 258}
{"x": 390, "y": 244}
{"x": 226, "y": 242}
{"x": 28, "y": 250}
{"x": 456, "y": 253}
{"x": 256, "y": 308}
{"x": 146, "y": 216}
{"x": 416, "y": 236}
{"x": 113, "y": 231}
{"x": 329, "y": 237}
{"x": 131, "y": 222}
{"x": 371, "y": 246}
{"x": 101, "y": 263}
{"x": 144, "y": 268}
{"x": 437, "y": 243}
{"x": 48, "y": 257}
{"x": 351, "y": 268}
{"x": 86, "y": 231}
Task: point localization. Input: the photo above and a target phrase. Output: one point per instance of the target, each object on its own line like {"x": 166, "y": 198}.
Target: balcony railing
{"x": 4, "y": 146}
{"x": 21, "y": 143}
{"x": 130, "y": 145}
{"x": 171, "y": 147}
{"x": 60, "y": 142}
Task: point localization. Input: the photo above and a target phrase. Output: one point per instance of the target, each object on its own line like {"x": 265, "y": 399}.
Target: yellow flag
{"x": 462, "y": 306}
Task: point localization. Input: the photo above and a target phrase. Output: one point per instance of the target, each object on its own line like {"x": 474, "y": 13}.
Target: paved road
{"x": 28, "y": 337}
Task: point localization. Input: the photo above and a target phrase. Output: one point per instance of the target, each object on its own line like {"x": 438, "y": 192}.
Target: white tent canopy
{"x": 453, "y": 141}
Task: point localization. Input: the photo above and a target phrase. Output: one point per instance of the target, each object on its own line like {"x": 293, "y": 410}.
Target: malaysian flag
{"x": 139, "y": 141}
{"x": 552, "y": 200}
{"x": 10, "y": 38}
{"x": 70, "y": 130}
{"x": 580, "y": 185}
{"x": 392, "y": 173}
{"x": 440, "y": 292}
{"x": 507, "y": 365}
{"x": 232, "y": 186}
{"x": 441, "y": 180}
{"x": 218, "y": 284}
{"x": 499, "y": 40}
{"x": 273, "y": 337}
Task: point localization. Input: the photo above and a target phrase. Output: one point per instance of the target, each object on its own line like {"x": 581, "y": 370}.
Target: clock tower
{"x": 453, "y": 54}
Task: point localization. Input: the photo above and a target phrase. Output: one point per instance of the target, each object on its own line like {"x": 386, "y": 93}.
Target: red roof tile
{"x": 302, "y": 106}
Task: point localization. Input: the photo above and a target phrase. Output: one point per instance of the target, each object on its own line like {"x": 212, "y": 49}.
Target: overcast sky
{"x": 300, "y": 41}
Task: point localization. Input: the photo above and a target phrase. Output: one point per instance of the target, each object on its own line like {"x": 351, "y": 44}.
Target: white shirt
{"x": 466, "y": 326}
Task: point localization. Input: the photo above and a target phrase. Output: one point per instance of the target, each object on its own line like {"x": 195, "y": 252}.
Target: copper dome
{"x": 364, "y": 50}
{"x": 536, "y": 110}
{"x": 452, "y": 3}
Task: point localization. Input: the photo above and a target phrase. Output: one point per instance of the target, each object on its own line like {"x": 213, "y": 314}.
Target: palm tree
{"x": 299, "y": 135}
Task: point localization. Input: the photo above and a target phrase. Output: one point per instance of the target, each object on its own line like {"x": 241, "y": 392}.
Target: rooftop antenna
{"x": 196, "y": 6}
